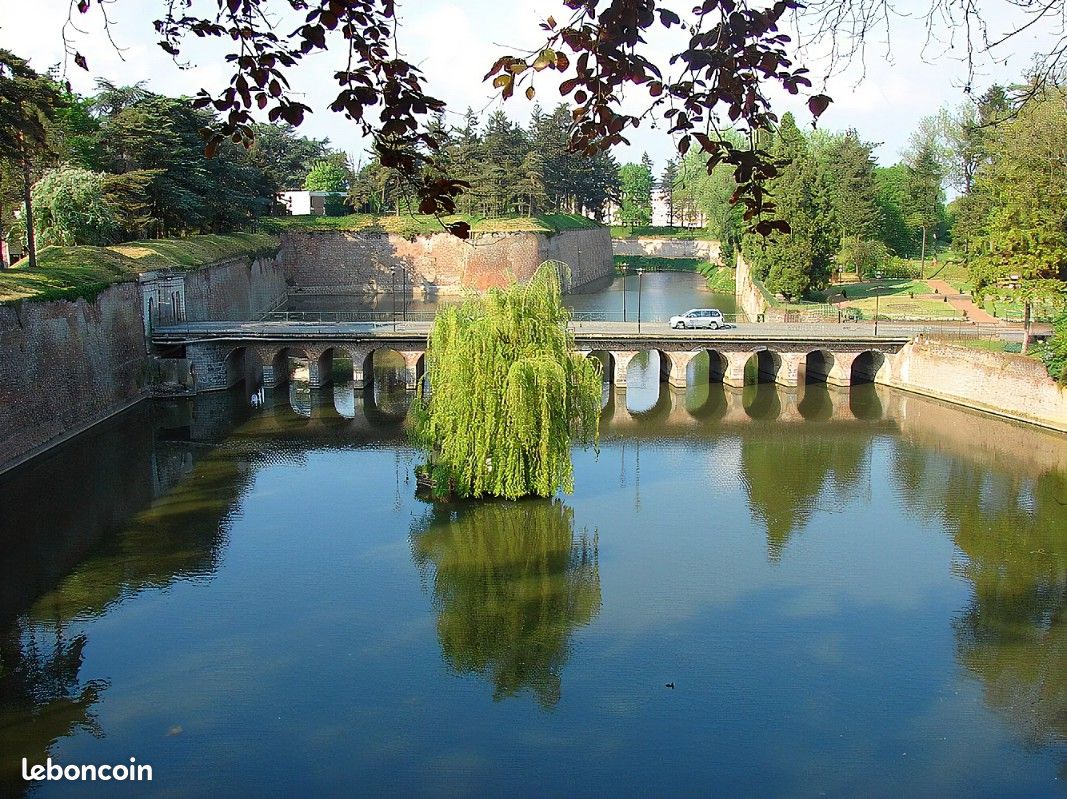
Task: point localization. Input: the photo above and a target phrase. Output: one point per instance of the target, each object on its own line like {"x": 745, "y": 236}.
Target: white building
{"x": 661, "y": 212}
{"x": 303, "y": 203}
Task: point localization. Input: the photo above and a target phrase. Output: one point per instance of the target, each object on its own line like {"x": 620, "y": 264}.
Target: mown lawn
{"x": 65, "y": 273}
{"x": 421, "y": 224}
{"x": 892, "y": 298}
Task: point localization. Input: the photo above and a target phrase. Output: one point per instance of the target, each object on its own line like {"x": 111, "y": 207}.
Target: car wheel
{"x": 714, "y": 325}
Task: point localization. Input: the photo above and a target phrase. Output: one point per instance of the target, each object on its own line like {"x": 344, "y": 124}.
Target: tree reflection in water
{"x": 786, "y": 476}
{"x": 511, "y": 582}
{"x": 1013, "y": 634}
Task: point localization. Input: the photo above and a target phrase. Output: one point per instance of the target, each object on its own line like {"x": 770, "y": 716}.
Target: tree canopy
{"x": 508, "y": 393}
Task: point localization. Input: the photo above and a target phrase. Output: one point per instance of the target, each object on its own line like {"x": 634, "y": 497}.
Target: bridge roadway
{"x": 829, "y": 352}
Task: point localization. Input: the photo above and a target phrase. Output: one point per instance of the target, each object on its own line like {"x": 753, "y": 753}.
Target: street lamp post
{"x": 404, "y": 290}
{"x": 640, "y": 273}
{"x": 392, "y": 292}
{"x": 625, "y": 274}
{"x": 876, "y": 298}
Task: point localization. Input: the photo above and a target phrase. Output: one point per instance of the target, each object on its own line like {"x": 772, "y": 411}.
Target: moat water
{"x": 656, "y": 295}
{"x": 853, "y": 593}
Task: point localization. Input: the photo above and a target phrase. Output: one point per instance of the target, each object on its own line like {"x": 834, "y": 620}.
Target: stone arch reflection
{"x": 511, "y": 583}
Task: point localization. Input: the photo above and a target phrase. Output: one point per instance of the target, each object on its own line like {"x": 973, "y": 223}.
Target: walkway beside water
{"x": 963, "y": 303}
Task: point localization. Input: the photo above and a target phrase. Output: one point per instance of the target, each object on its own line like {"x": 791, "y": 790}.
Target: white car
{"x": 699, "y": 317}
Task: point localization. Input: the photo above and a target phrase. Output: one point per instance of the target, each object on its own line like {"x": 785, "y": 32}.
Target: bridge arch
{"x": 818, "y": 366}
{"x": 278, "y": 366}
{"x": 242, "y": 364}
{"x": 763, "y": 366}
{"x": 606, "y": 359}
{"x": 870, "y": 366}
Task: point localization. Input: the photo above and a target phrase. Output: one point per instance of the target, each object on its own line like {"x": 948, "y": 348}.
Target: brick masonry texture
{"x": 1008, "y": 385}
{"x": 66, "y": 365}
{"x": 321, "y": 262}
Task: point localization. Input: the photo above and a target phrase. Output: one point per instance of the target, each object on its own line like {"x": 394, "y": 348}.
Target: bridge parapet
{"x": 221, "y": 353}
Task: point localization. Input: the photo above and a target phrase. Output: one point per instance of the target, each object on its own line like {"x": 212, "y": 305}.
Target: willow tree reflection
{"x": 511, "y": 582}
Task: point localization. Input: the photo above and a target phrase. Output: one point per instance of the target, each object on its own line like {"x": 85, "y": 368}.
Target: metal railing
{"x": 579, "y": 317}
{"x": 959, "y": 329}
{"x": 374, "y": 317}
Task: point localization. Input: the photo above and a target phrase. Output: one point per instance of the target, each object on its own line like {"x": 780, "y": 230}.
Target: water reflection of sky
{"x": 859, "y": 605}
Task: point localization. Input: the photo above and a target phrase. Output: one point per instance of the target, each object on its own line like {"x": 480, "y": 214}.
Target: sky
{"x": 456, "y": 41}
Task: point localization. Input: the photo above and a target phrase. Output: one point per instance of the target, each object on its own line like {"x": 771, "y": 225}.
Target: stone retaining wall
{"x": 234, "y": 289}
{"x": 1013, "y": 386}
{"x": 750, "y": 300}
{"x": 329, "y": 261}
{"x": 66, "y": 365}
{"x": 667, "y": 248}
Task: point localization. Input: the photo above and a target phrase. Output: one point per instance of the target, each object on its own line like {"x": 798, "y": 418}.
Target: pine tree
{"x": 925, "y": 208}
{"x": 796, "y": 262}
{"x": 667, "y": 180}
{"x": 855, "y": 194}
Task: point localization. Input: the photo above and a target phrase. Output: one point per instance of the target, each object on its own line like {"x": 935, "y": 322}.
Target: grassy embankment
{"x": 894, "y": 298}
{"x": 67, "y": 273}
{"x": 410, "y": 225}
{"x": 720, "y": 279}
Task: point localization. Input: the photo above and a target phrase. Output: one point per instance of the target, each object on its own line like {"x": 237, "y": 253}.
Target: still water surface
{"x": 657, "y": 295}
{"x": 854, "y": 594}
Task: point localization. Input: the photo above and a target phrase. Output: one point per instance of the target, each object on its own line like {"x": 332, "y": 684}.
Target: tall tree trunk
{"x": 1026, "y": 327}
{"x": 5, "y": 251}
{"x": 31, "y": 235}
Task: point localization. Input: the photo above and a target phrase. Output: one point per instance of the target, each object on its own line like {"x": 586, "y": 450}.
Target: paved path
{"x": 962, "y": 302}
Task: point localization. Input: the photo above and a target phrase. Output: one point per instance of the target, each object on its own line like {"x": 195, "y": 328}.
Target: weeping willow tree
{"x": 508, "y": 393}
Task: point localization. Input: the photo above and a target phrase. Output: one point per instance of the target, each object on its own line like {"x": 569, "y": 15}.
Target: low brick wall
{"x": 1007, "y": 385}
{"x": 667, "y": 248}
{"x": 329, "y": 261}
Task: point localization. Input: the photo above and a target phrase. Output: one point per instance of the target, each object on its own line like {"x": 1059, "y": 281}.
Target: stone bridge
{"x": 222, "y": 353}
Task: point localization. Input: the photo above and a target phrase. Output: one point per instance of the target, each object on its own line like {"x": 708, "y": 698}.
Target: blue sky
{"x": 456, "y": 41}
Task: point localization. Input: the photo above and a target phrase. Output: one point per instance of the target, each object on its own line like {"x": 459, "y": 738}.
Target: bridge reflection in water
{"x": 282, "y": 530}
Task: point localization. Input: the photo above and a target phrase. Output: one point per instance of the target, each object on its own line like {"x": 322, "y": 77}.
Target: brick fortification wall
{"x": 1008, "y": 385}
{"x": 234, "y": 290}
{"x": 328, "y": 261}
{"x": 66, "y": 365}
